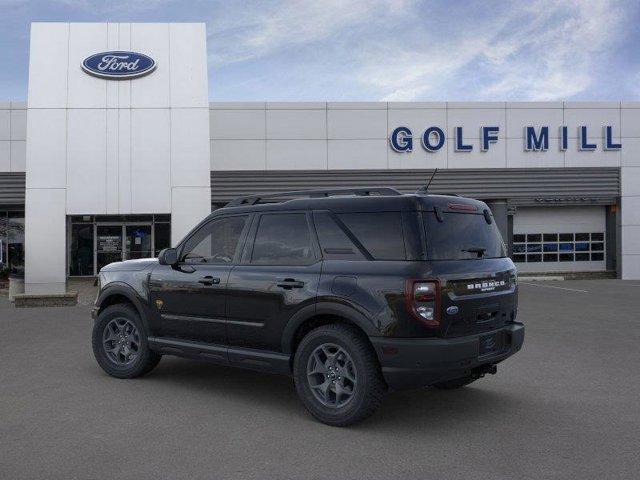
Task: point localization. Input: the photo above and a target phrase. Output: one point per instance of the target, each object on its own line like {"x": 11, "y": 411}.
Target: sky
{"x": 377, "y": 50}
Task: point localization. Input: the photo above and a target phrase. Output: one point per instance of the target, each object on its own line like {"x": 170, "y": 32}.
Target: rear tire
{"x": 455, "y": 383}
{"x": 337, "y": 375}
{"x": 120, "y": 343}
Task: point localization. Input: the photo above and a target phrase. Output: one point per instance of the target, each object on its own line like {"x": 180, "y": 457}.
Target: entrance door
{"x": 108, "y": 245}
{"x": 137, "y": 242}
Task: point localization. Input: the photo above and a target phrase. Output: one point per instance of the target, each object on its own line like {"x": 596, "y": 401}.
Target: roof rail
{"x": 254, "y": 199}
{"x": 425, "y": 191}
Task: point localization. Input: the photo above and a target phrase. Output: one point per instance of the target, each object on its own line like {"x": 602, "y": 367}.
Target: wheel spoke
{"x": 120, "y": 336}
{"x": 326, "y": 378}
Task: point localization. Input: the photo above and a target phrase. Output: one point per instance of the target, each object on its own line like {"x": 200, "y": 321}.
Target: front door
{"x": 190, "y": 298}
{"x": 278, "y": 276}
{"x": 108, "y": 245}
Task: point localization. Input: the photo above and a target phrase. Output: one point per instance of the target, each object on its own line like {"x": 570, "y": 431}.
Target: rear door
{"x": 478, "y": 287}
{"x": 278, "y": 276}
{"x": 190, "y": 299}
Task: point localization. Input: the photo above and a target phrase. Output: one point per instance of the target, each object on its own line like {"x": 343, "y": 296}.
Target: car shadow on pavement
{"x": 437, "y": 409}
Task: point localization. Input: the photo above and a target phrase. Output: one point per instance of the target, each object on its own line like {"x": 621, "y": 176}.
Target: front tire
{"x": 337, "y": 375}
{"x": 120, "y": 343}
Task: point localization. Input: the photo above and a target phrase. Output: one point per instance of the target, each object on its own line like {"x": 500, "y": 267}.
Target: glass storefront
{"x": 11, "y": 242}
{"x": 97, "y": 240}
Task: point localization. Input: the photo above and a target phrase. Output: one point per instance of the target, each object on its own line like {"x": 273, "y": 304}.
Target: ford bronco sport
{"x": 352, "y": 292}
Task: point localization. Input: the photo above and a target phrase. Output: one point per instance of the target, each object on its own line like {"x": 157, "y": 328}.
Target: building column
{"x": 189, "y": 206}
{"x": 45, "y": 241}
{"x": 630, "y": 223}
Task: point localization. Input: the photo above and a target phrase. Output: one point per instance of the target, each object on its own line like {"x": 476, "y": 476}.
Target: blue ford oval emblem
{"x": 118, "y": 65}
{"x": 452, "y": 310}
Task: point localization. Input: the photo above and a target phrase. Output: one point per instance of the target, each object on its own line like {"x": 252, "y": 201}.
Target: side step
{"x": 252, "y": 359}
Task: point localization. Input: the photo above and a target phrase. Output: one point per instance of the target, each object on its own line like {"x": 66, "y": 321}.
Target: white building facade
{"x": 103, "y": 169}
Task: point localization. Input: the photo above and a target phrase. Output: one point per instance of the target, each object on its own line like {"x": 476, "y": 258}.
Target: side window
{"x": 335, "y": 244}
{"x": 283, "y": 239}
{"x": 380, "y": 233}
{"x": 216, "y": 242}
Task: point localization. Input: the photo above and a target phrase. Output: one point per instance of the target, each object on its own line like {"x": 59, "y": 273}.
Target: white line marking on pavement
{"x": 551, "y": 286}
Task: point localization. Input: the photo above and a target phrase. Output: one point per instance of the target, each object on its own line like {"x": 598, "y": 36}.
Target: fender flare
{"x": 347, "y": 312}
{"x": 127, "y": 291}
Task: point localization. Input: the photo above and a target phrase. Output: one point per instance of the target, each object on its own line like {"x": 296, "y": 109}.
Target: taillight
{"x": 423, "y": 301}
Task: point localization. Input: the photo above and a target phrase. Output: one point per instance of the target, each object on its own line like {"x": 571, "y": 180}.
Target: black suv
{"x": 351, "y": 292}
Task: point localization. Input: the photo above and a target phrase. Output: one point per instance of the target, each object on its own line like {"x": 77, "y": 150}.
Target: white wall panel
{"x": 357, "y": 124}
{"x": 48, "y": 62}
{"x": 357, "y": 154}
{"x": 630, "y": 267}
{"x": 18, "y": 124}
{"x": 517, "y": 157}
{"x": 630, "y": 181}
{"x": 45, "y": 241}
{"x": 296, "y": 154}
{"x": 5, "y": 156}
{"x": 150, "y": 161}
{"x": 631, "y": 239}
{"x": 419, "y": 158}
{"x": 5, "y": 124}
{"x": 592, "y": 118}
{"x": 238, "y": 155}
{"x": 190, "y": 164}
{"x": 495, "y": 157}
{"x": 518, "y": 118}
{"x": 124, "y": 161}
{"x": 630, "y": 153}
{"x": 86, "y": 161}
{"x": 152, "y": 91}
{"x": 189, "y": 205}
{"x": 18, "y": 156}
{"x": 296, "y": 124}
{"x": 418, "y": 120}
{"x": 188, "y": 56}
{"x": 472, "y": 119}
{"x": 86, "y": 91}
{"x": 113, "y": 43}
{"x": 598, "y": 158}
{"x": 630, "y": 211}
{"x": 47, "y": 148}
{"x": 111, "y": 162}
{"x": 630, "y": 120}
{"x": 124, "y": 86}
{"x": 238, "y": 124}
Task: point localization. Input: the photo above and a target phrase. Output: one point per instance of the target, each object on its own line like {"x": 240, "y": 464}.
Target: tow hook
{"x": 484, "y": 370}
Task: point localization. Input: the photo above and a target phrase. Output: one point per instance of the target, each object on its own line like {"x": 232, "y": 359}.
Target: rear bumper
{"x": 417, "y": 362}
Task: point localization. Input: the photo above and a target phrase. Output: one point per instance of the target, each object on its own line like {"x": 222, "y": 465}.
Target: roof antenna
{"x": 425, "y": 189}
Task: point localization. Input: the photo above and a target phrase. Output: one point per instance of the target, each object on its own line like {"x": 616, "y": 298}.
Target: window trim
{"x": 247, "y": 253}
{"x": 205, "y": 225}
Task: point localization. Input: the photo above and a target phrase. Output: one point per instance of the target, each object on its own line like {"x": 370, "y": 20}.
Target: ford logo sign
{"x": 452, "y": 310}
{"x": 118, "y": 65}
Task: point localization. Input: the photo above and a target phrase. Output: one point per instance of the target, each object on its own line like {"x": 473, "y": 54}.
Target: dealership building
{"x": 118, "y": 152}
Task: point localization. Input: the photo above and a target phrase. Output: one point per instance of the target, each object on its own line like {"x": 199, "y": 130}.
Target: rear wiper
{"x": 477, "y": 250}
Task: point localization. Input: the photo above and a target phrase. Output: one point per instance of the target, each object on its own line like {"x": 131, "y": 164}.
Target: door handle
{"x": 209, "y": 280}
{"x": 289, "y": 283}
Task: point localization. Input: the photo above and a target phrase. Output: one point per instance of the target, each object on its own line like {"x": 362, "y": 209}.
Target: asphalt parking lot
{"x": 567, "y": 406}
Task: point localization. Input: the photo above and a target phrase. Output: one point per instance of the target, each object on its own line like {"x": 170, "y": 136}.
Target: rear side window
{"x": 335, "y": 243}
{"x": 462, "y": 236}
{"x": 283, "y": 239}
{"x": 380, "y": 233}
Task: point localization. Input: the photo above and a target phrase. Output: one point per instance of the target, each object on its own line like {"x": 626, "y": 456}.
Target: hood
{"x": 130, "y": 265}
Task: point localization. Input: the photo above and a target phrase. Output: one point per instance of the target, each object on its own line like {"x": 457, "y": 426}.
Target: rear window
{"x": 462, "y": 236}
{"x": 380, "y": 233}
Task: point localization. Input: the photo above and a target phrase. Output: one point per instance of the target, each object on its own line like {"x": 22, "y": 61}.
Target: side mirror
{"x": 168, "y": 256}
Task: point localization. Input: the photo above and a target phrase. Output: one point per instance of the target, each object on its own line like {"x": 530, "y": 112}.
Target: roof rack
{"x": 254, "y": 199}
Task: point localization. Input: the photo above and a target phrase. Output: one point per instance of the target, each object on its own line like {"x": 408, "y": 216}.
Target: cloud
{"x": 543, "y": 51}
{"x": 264, "y": 28}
